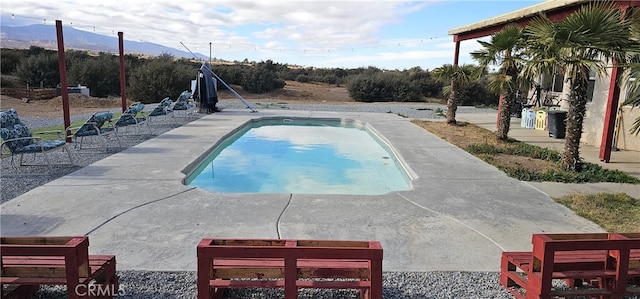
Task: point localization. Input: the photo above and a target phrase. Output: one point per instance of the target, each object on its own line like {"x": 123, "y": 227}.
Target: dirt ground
{"x": 465, "y": 135}
{"x": 297, "y": 92}
{"x": 78, "y": 104}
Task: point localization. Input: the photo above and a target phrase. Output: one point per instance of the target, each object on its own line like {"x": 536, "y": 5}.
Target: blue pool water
{"x": 292, "y": 156}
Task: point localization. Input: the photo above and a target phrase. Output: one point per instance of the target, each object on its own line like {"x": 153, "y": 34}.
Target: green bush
{"x": 428, "y": 86}
{"x": 231, "y": 74}
{"x": 329, "y": 79}
{"x": 40, "y": 69}
{"x": 9, "y": 81}
{"x": 303, "y": 78}
{"x": 74, "y": 57}
{"x": 100, "y": 74}
{"x": 476, "y": 94}
{"x": 262, "y": 78}
{"x": 10, "y": 59}
{"x": 159, "y": 78}
{"x": 383, "y": 87}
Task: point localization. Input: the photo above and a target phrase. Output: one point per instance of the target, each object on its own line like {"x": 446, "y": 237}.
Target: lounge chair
{"x": 99, "y": 125}
{"x": 162, "y": 108}
{"x": 18, "y": 140}
{"x": 183, "y": 103}
{"x": 130, "y": 118}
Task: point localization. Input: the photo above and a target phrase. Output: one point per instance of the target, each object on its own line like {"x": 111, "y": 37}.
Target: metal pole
{"x": 62, "y": 65}
{"x": 209, "y": 53}
{"x": 123, "y": 87}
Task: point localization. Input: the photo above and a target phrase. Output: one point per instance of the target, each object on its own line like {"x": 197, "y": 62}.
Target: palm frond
{"x": 458, "y": 74}
{"x": 632, "y": 76}
{"x": 598, "y": 26}
{"x": 443, "y": 73}
{"x": 446, "y": 90}
{"x": 500, "y": 83}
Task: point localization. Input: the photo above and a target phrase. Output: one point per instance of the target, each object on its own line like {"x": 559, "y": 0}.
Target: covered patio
{"x": 602, "y": 112}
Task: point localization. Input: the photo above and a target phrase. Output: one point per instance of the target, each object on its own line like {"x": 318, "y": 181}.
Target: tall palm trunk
{"x": 504, "y": 122}
{"x": 452, "y": 107}
{"x": 506, "y": 101}
{"x": 575, "y": 117}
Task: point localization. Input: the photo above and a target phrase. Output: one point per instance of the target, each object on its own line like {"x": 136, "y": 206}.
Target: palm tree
{"x": 505, "y": 49}
{"x": 585, "y": 41}
{"x": 456, "y": 77}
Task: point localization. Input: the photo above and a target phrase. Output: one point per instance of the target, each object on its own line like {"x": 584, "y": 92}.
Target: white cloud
{"x": 162, "y": 20}
{"x": 308, "y": 32}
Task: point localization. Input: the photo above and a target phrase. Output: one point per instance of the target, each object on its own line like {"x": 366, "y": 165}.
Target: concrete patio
{"x": 460, "y": 214}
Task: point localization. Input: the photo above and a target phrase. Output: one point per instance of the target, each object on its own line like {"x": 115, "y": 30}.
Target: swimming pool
{"x": 301, "y": 156}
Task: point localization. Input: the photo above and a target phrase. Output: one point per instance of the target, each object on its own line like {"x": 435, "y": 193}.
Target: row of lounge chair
{"x": 181, "y": 104}
{"x": 18, "y": 140}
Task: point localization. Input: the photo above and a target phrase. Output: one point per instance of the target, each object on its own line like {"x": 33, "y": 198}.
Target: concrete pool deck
{"x": 459, "y": 216}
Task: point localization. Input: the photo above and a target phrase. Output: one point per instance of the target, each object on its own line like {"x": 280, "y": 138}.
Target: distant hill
{"x": 23, "y": 37}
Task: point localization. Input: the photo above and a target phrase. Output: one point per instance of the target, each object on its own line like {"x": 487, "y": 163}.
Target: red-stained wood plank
{"x": 32, "y": 261}
{"x": 610, "y": 257}
{"x": 325, "y": 284}
{"x": 289, "y": 264}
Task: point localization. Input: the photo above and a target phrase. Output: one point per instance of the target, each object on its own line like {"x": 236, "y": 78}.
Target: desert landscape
{"x": 293, "y": 92}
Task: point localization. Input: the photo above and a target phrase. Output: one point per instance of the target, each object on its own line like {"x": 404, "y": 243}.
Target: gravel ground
{"x": 396, "y": 285}
{"x": 145, "y": 284}
{"x": 16, "y": 181}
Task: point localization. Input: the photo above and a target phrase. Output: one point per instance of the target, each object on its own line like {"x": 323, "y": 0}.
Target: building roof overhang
{"x": 554, "y": 9}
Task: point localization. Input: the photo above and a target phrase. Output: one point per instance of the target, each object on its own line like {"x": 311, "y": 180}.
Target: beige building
{"x": 607, "y": 122}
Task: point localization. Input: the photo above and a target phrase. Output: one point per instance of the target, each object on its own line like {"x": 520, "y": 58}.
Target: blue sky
{"x": 389, "y": 34}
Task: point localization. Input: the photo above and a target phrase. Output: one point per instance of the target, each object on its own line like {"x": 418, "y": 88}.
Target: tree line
{"x": 149, "y": 80}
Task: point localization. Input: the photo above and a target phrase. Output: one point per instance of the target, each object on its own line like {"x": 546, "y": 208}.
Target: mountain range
{"x": 23, "y": 37}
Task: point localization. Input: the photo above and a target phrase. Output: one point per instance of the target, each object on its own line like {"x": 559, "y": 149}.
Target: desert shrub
{"x": 329, "y": 79}
{"x": 382, "y": 87}
{"x": 365, "y": 89}
{"x": 100, "y": 74}
{"x": 330, "y": 76}
{"x": 476, "y": 94}
{"x": 40, "y": 69}
{"x": 303, "y": 78}
{"x": 231, "y": 74}
{"x": 9, "y": 81}
{"x": 35, "y": 50}
{"x": 9, "y": 60}
{"x": 159, "y": 78}
{"x": 292, "y": 74}
{"x": 75, "y": 56}
{"x": 428, "y": 86}
{"x": 262, "y": 78}
{"x": 133, "y": 61}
